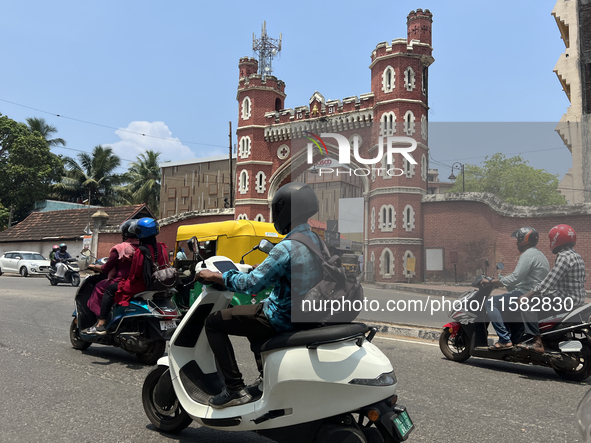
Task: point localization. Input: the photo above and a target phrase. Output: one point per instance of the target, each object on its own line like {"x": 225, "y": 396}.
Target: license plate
{"x": 166, "y": 325}
{"x": 403, "y": 424}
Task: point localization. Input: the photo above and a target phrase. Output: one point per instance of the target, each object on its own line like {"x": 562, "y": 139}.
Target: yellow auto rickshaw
{"x": 231, "y": 239}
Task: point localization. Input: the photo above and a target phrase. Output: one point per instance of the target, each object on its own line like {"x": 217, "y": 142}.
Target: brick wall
{"x": 480, "y": 227}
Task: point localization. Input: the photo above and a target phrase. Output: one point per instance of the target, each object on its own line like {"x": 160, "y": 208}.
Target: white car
{"x": 24, "y": 262}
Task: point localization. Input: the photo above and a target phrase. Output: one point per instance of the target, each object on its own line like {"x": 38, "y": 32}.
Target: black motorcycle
{"x": 141, "y": 328}
{"x": 566, "y": 336}
{"x": 71, "y": 276}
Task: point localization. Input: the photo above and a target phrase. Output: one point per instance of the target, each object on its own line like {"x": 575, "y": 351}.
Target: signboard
{"x": 86, "y": 241}
{"x": 332, "y": 238}
{"x": 410, "y": 264}
{"x": 332, "y": 225}
{"x": 434, "y": 259}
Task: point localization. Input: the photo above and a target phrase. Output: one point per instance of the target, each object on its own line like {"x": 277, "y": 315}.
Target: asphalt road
{"x": 50, "y": 392}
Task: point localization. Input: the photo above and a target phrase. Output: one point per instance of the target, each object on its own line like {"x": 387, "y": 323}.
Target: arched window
{"x": 424, "y": 167}
{"x": 373, "y": 220}
{"x": 242, "y": 217}
{"x": 409, "y": 123}
{"x": 424, "y": 127}
{"x": 278, "y": 106}
{"x": 260, "y": 218}
{"x": 408, "y": 218}
{"x": 244, "y": 147}
{"x": 387, "y": 221}
{"x": 261, "y": 182}
{"x": 424, "y": 81}
{"x": 409, "y": 79}
{"x": 409, "y": 168}
{"x": 246, "y": 108}
{"x": 387, "y": 263}
{"x": 387, "y": 123}
{"x": 243, "y": 182}
{"x": 388, "y": 79}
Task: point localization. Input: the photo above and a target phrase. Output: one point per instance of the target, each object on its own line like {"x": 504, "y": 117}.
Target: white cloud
{"x": 133, "y": 143}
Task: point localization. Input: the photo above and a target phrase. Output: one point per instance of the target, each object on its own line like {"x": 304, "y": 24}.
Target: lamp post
{"x": 453, "y": 177}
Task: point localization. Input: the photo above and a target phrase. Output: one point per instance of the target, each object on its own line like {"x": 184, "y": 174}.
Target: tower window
{"x": 388, "y": 79}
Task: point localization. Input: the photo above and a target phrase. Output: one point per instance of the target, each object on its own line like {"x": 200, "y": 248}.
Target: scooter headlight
{"x": 386, "y": 379}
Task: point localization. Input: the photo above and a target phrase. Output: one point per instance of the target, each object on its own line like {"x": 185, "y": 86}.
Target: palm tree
{"x": 92, "y": 178}
{"x": 39, "y": 125}
{"x": 143, "y": 180}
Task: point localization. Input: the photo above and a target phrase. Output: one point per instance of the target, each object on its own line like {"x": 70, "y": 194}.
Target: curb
{"x": 419, "y": 290}
{"x": 419, "y": 332}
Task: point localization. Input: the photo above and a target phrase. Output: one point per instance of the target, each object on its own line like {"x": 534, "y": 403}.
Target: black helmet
{"x": 526, "y": 236}
{"x": 128, "y": 229}
{"x": 63, "y": 247}
{"x": 293, "y": 204}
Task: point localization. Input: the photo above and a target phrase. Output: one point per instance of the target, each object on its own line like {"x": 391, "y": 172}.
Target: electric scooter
{"x": 328, "y": 384}
{"x": 566, "y": 336}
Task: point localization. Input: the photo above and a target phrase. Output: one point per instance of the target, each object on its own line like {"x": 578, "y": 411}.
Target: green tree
{"x": 27, "y": 167}
{"x": 46, "y": 130}
{"x": 143, "y": 178}
{"x": 4, "y": 214}
{"x": 513, "y": 180}
{"x": 93, "y": 175}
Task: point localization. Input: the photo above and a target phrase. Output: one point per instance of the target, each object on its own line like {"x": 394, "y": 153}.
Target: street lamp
{"x": 453, "y": 177}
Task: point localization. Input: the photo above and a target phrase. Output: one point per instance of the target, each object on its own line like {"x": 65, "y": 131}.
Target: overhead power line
{"x": 111, "y": 127}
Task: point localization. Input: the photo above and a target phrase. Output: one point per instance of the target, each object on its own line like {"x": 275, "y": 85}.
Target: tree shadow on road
{"x": 113, "y": 356}
{"x": 201, "y": 434}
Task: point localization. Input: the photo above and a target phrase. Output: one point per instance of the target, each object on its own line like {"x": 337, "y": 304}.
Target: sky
{"x": 115, "y": 70}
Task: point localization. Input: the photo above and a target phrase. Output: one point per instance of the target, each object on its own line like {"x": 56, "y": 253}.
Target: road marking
{"x": 407, "y": 341}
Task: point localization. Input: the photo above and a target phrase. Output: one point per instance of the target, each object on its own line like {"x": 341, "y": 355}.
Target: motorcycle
{"x": 72, "y": 274}
{"x": 328, "y": 384}
{"x": 566, "y": 336}
{"x": 142, "y": 328}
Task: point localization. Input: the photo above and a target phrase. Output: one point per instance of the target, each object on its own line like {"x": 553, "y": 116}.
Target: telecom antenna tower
{"x": 267, "y": 48}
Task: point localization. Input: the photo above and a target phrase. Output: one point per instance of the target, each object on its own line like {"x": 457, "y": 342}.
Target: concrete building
{"x": 573, "y": 69}
{"x": 194, "y": 185}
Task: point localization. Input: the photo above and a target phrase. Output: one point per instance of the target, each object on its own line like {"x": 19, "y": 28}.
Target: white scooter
{"x": 322, "y": 385}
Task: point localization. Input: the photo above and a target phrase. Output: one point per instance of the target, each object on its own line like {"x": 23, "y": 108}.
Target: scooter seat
{"x": 313, "y": 337}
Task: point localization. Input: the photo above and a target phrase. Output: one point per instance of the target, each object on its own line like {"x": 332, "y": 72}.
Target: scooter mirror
{"x": 500, "y": 265}
{"x": 193, "y": 244}
{"x": 266, "y": 246}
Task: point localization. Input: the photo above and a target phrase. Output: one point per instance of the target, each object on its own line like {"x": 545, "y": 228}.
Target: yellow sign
{"x": 410, "y": 264}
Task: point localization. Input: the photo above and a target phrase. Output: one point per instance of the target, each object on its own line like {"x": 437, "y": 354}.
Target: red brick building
{"x": 272, "y": 143}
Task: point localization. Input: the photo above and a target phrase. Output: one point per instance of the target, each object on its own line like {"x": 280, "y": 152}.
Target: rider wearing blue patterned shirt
{"x": 290, "y": 267}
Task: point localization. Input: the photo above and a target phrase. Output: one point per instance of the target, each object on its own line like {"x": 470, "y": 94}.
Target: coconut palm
{"x": 143, "y": 180}
{"x": 39, "y": 125}
{"x": 92, "y": 177}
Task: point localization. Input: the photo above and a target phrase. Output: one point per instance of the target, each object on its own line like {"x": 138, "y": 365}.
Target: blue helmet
{"x": 147, "y": 227}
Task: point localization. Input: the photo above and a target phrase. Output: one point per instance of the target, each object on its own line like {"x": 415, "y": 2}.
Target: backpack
{"x": 157, "y": 278}
{"x": 334, "y": 299}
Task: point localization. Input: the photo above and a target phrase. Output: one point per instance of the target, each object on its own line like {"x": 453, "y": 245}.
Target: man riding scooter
{"x": 60, "y": 256}
{"x": 565, "y": 281}
{"x": 532, "y": 267}
{"x": 292, "y": 206}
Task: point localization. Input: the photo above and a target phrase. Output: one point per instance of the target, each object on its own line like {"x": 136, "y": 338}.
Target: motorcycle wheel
{"x": 23, "y": 272}
{"x": 581, "y": 373}
{"x": 155, "y": 351}
{"x": 53, "y": 282}
{"x": 173, "y": 419}
{"x": 454, "y": 348}
{"x": 75, "y": 339}
{"x": 75, "y": 280}
{"x": 334, "y": 433}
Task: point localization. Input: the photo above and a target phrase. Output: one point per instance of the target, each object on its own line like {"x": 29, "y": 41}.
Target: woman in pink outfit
{"x": 117, "y": 266}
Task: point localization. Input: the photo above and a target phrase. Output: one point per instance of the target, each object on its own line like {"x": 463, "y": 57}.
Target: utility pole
{"x": 10, "y": 216}
{"x": 231, "y": 173}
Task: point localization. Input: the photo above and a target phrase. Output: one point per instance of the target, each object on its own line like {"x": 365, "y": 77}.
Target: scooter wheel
{"x": 581, "y": 373}
{"x": 53, "y": 282}
{"x": 152, "y": 355}
{"x": 75, "y": 280}
{"x": 455, "y": 348}
{"x": 75, "y": 339}
{"x": 172, "y": 419}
